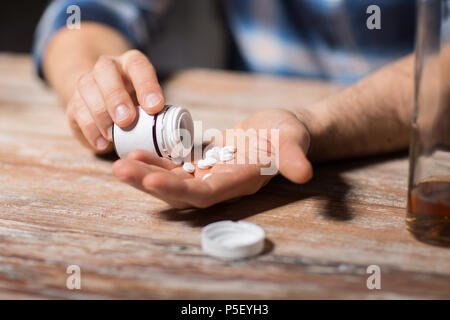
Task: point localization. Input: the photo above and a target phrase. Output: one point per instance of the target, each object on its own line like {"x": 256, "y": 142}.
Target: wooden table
{"x": 61, "y": 206}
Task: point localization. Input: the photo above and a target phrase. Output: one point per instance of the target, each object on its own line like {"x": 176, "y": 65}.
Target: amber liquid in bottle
{"x": 428, "y": 216}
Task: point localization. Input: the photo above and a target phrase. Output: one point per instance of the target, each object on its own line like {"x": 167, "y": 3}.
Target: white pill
{"x": 206, "y": 176}
{"x": 188, "y": 167}
{"x": 229, "y": 149}
{"x": 213, "y": 153}
{"x": 210, "y": 161}
{"x": 203, "y": 164}
{"x": 226, "y": 156}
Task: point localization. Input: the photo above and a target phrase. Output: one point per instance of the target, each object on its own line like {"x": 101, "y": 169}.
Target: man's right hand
{"x": 109, "y": 93}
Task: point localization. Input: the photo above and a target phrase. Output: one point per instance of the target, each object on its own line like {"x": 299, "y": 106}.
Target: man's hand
{"x": 170, "y": 183}
{"x": 109, "y": 93}
{"x": 101, "y": 79}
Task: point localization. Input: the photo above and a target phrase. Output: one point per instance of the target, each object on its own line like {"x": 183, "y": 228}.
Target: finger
{"x": 204, "y": 193}
{"x": 293, "y": 163}
{"x": 179, "y": 171}
{"x": 156, "y": 183}
{"x": 87, "y": 124}
{"x": 224, "y": 186}
{"x": 174, "y": 188}
{"x": 143, "y": 76}
{"x": 134, "y": 172}
{"x": 118, "y": 102}
{"x": 151, "y": 158}
{"x": 92, "y": 96}
{"x": 74, "y": 125}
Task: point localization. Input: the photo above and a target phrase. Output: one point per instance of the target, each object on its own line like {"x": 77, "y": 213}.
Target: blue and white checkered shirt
{"x": 322, "y": 39}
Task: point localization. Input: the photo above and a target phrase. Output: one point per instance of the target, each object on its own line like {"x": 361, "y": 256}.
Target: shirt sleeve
{"x": 128, "y": 17}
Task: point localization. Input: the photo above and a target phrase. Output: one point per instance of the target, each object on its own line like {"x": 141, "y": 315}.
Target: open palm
{"x": 169, "y": 182}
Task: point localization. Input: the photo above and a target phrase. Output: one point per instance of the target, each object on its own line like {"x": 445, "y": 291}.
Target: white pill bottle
{"x": 169, "y": 134}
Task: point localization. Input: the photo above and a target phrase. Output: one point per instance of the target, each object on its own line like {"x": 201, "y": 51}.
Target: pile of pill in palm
{"x": 212, "y": 156}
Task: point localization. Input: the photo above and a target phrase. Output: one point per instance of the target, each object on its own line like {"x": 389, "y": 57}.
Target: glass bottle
{"x": 428, "y": 216}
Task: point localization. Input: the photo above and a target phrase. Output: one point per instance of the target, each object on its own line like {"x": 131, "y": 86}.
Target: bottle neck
{"x": 174, "y": 132}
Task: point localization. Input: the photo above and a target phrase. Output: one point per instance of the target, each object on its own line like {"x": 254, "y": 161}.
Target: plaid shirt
{"x": 322, "y": 39}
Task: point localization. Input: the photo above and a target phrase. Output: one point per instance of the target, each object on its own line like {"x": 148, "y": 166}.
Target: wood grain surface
{"x": 61, "y": 206}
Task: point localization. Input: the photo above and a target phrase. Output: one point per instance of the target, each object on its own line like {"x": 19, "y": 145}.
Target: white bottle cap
{"x": 233, "y": 240}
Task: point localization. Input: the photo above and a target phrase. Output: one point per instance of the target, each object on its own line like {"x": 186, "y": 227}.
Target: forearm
{"x": 372, "y": 116}
{"x": 72, "y": 53}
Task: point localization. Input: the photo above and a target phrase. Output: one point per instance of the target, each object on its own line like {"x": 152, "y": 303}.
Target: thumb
{"x": 293, "y": 163}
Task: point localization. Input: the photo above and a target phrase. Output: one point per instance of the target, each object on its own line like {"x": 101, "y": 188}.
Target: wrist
{"x": 63, "y": 66}
{"x": 308, "y": 119}
{"x": 72, "y": 53}
{"x": 315, "y": 119}
{"x": 304, "y": 116}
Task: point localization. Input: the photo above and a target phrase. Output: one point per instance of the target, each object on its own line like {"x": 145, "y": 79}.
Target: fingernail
{"x": 153, "y": 100}
{"x": 101, "y": 143}
{"x": 122, "y": 113}
{"x": 109, "y": 132}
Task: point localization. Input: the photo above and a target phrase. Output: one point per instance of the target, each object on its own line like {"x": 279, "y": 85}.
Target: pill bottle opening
{"x": 175, "y": 132}
{"x": 186, "y": 127}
